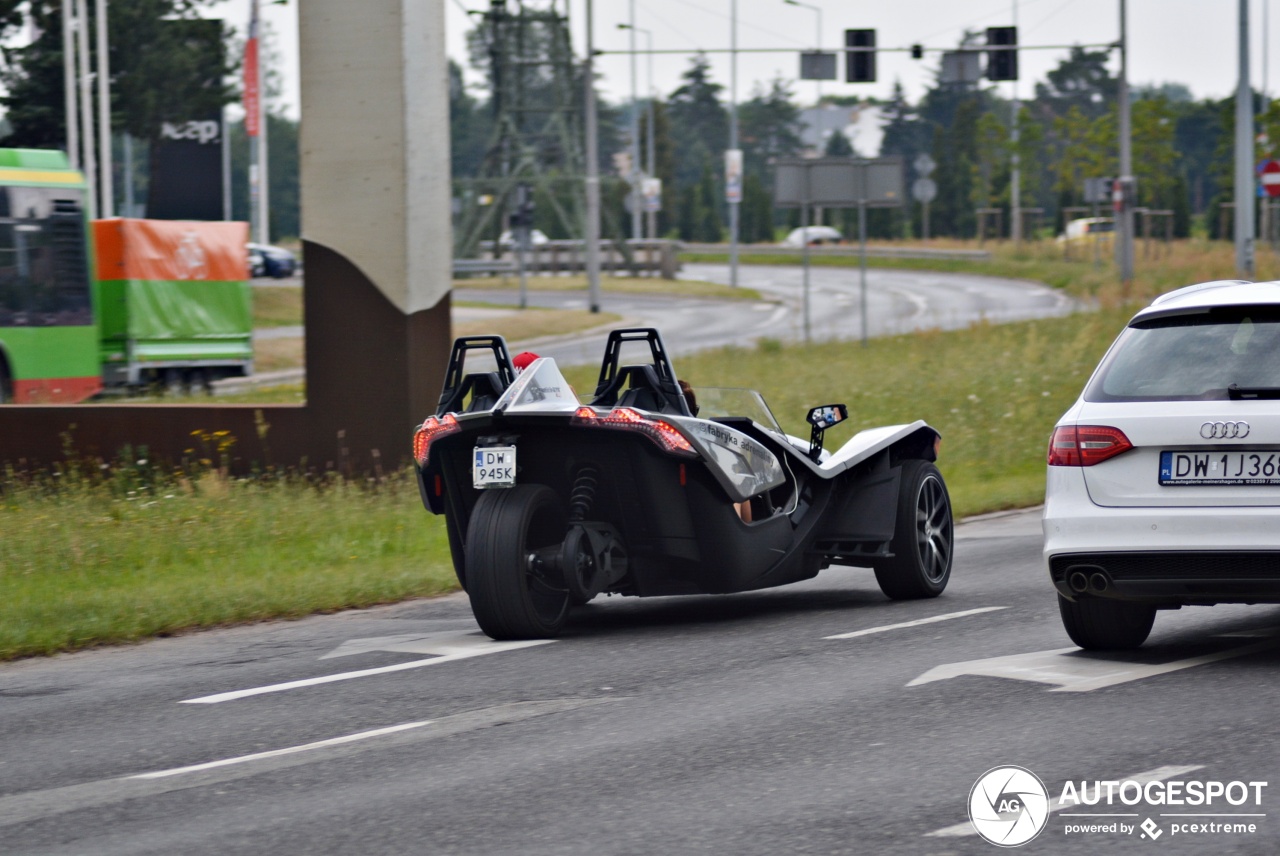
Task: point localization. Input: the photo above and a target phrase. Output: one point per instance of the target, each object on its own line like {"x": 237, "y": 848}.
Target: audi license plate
{"x": 1256, "y": 467}
{"x": 495, "y": 466}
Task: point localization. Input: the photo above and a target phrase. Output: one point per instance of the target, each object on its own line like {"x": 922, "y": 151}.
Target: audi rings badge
{"x": 1224, "y": 430}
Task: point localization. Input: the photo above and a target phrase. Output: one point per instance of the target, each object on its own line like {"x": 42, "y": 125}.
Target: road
{"x": 897, "y": 302}
{"x": 732, "y": 724}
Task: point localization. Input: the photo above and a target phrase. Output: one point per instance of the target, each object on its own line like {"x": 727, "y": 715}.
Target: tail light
{"x": 664, "y": 434}
{"x": 1085, "y": 445}
{"x": 430, "y": 431}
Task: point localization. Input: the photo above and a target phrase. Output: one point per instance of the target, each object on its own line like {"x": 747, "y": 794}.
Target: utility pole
{"x": 1124, "y": 211}
{"x": 651, "y": 216}
{"x": 591, "y": 229}
{"x": 69, "y": 83}
{"x": 1015, "y": 173}
{"x": 733, "y": 136}
{"x": 106, "y": 201}
{"x": 1245, "y": 193}
{"x": 86, "y": 110}
{"x": 636, "y": 214}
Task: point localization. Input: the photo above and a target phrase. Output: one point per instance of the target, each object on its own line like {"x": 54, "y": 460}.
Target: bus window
{"x": 44, "y": 276}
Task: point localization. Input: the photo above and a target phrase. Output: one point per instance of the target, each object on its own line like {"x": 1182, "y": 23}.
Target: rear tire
{"x": 923, "y": 537}
{"x": 1103, "y": 624}
{"x": 512, "y": 599}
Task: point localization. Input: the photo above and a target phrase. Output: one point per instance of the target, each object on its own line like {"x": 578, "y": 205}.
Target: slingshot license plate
{"x": 494, "y": 466}
{"x": 1252, "y": 467}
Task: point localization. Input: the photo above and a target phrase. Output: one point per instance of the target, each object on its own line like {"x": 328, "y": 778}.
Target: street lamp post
{"x": 648, "y": 157}
{"x": 733, "y": 136}
{"x": 635, "y": 135}
{"x": 817, "y": 44}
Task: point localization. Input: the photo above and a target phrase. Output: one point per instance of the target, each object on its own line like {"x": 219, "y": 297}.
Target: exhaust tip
{"x": 1078, "y": 582}
{"x": 1098, "y": 583}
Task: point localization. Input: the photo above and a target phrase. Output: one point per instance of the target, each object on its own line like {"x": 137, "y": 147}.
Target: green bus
{"x": 49, "y": 348}
{"x": 117, "y": 303}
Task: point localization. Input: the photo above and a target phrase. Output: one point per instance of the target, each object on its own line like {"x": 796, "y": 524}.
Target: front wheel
{"x": 513, "y": 595}
{"x": 923, "y": 536}
{"x": 1103, "y": 624}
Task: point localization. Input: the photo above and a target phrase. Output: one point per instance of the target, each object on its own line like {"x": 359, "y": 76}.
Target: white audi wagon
{"x": 1163, "y": 483}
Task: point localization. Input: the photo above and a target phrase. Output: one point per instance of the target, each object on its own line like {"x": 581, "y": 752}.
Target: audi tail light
{"x": 1085, "y": 445}
{"x": 664, "y": 434}
{"x": 430, "y": 431}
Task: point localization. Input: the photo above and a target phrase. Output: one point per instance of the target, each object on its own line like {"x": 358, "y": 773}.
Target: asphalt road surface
{"x": 897, "y": 302}
{"x": 816, "y": 718}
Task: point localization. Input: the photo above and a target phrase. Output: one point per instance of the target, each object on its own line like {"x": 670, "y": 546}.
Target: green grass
{"x": 85, "y": 564}
{"x": 277, "y": 306}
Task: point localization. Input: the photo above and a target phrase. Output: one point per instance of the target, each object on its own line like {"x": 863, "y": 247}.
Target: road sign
{"x": 839, "y": 182}
{"x": 817, "y": 65}
{"x": 924, "y": 165}
{"x": 733, "y": 176}
{"x": 924, "y": 190}
{"x": 1270, "y": 175}
{"x": 1097, "y": 189}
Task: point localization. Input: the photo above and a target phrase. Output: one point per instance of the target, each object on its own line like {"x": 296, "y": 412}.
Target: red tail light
{"x": 662, "y": 433}
{"x": 1085, "y": 445}
{"x": 430, "y": 431}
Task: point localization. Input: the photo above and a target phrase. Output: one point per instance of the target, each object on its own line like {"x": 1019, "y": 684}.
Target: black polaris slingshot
{"x": 550, "y": 501}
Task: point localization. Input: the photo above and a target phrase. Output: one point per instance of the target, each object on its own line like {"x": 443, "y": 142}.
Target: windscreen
{"x": 719, "y": 402}
{"x": 1192, "y": 357}
{"x": 44, "y": 276}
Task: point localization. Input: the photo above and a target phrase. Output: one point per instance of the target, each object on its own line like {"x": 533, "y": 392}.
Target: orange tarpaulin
{"x": 171, "y": 250}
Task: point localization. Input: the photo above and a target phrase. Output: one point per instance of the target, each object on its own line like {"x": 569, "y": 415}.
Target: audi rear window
{"x": 1192, "y": 357}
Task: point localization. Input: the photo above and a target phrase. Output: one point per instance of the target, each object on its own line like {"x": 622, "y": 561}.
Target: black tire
{"x": 509, "y": 598}
{"x": 1103, "y": 624}
{"x": 456, "y": 551}
{"x": 923, "y": 538}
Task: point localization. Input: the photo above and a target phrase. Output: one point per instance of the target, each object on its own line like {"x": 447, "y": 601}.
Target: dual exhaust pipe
{"x": 1081, "y": 582}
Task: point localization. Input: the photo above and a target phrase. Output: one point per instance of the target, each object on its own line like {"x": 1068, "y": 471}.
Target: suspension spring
{"x": 583, "y": 495}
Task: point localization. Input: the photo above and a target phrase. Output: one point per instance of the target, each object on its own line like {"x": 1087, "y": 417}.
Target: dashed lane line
{"x": 919, "y": 621}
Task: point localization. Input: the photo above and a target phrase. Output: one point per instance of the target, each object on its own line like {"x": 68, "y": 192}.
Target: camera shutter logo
{"x": 1009, "y": 806}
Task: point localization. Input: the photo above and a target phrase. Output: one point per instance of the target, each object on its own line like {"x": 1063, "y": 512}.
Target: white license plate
{"x": 1253, "y": 467}
{"x": 494, "y": 466}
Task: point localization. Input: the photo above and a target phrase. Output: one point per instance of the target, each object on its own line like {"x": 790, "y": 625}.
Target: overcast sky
{"x": 1192, "y": 42}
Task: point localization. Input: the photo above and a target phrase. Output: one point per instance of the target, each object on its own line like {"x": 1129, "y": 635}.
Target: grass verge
{"x": 87, "y": 562}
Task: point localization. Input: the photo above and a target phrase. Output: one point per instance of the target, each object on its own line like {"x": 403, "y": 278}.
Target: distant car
{"x": 1089, "y": 229}
{"x": 536, "y": 239}
{"x": 814, "y": 235}
{"x": 275, "y": 262}
{"x": 1163, "y": 485}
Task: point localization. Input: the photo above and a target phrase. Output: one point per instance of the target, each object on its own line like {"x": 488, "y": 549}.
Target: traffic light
{"x": 917, "y": 51}
{"x": 860, "y": 66}
{"x": 1002, "y": 64}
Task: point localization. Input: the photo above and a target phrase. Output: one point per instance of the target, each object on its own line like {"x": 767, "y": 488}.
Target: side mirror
{"x": 822, "y": 418}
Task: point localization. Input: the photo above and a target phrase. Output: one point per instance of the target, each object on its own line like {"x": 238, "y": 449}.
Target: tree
{"x": 838, "y": 146}
{"x": 1081, "y": 81}
{"x": 155, "y": 73}
{"x": 769, "y": 128}
{"x": 699, "y": 124}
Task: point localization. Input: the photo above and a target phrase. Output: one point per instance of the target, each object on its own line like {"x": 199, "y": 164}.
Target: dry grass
{"x": 277, "y": 306}
{"x": 614, "y": 284}
{"x": 272, "y": 355}
{"x": 527, "y": 324}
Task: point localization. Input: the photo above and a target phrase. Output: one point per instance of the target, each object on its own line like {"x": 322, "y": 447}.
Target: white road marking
{"x": 448, "y": 647}
{"x": 915, "y": 623}
{"x": 276, "y": 753}
{"x": 1157, "y": 775}
{"x": 1074, "y": 671}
